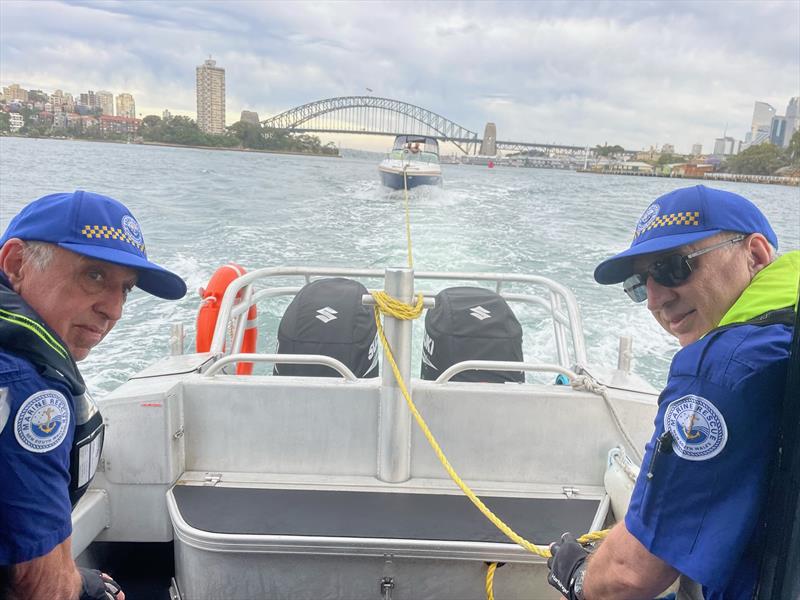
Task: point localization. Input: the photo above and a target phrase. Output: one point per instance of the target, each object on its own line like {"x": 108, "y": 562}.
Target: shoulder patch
{"x": 42, "y": 422}
{"x": 698, "y": 429}
{"x": 5, "y": 408}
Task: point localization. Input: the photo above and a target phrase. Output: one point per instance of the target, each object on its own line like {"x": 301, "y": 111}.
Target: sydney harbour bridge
{"x": 372, "y": 115}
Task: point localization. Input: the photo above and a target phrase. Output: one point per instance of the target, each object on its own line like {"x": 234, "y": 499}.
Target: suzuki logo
{"x": 326, "y": 314}
{"x": 480, "y": 313}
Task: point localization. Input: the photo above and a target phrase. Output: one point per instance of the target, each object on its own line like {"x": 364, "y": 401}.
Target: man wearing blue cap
{"x": 704, "y": 259}
{"x": 67, "y": 264}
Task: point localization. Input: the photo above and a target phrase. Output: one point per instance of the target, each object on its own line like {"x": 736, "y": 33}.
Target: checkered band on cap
{"x": 678, "y": 218}
{"x": 110, "y": 233}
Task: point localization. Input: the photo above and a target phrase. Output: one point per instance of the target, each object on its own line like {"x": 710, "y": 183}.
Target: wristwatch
{"x": 577, "y": 585}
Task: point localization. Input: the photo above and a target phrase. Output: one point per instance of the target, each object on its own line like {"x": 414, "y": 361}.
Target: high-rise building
{"x": 668, "y": 149}
{"x": 211, "y": 97}
{"x": 697, "y": 149}
{"x": 792, "y": 119}
{"x": 725, "y": 146}
{"x": 126, "y": 107}
{"x": 105, "y": 100}
{"x": 762, "y": 121}
{"x": 777, "y": 132}
{"x": 88, "y": 99}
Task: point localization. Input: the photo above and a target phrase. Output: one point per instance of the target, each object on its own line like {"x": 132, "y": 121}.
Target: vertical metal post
{"x": 176, "y": 339}
{"x": 625, "y": 353}
{"x": 394, "y": 418}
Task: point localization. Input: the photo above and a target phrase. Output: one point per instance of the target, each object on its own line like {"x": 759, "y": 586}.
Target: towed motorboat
{"x": 413, "y": 161}
{"x": 312, "y": 478}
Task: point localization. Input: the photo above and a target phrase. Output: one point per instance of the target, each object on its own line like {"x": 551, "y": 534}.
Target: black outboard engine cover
{"x": 327, "y": 317}
{"x": 470, "y": 323}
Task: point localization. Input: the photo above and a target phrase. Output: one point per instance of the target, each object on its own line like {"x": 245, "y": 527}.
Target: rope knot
{"x": 393, "y": 307}
{"x": 584, "y": 382}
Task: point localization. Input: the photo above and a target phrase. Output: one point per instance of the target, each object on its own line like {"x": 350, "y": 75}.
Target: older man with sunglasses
{"x": 705, "y": 262}
{"x": 67, "y": 264}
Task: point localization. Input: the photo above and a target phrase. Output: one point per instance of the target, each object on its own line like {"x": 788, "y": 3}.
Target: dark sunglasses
{"x": 670, "y": 271}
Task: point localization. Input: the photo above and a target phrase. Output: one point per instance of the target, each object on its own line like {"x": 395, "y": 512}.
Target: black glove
{"x": 97, "y": 585}
{"x": 567, "y": 567}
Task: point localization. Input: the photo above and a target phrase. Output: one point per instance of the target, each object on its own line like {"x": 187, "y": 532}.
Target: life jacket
{"x": 25, "y": 335}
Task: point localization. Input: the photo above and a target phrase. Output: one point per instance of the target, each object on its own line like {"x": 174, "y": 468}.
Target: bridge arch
{"x": 372, "y": 115}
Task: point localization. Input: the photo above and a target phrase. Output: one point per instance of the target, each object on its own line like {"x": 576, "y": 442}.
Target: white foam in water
{"x": 200, "y": 209}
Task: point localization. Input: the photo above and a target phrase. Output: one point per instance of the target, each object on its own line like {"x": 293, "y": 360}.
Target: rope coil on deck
{"x": 395, "y": 308}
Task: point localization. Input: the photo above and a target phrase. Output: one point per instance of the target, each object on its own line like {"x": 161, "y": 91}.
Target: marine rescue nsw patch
{"x": 697, "y": 427}
{"x": 42, "y": 422}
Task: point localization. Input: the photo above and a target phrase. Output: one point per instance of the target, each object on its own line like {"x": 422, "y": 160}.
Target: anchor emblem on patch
{"x": 697, "y": 426}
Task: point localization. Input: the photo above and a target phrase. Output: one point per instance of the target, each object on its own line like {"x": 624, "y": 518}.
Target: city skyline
{"x": 629, "y": 73}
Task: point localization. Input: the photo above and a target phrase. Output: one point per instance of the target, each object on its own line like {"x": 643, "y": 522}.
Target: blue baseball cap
{"x": 98, "y": 227}
{"x": 681, "y": 217}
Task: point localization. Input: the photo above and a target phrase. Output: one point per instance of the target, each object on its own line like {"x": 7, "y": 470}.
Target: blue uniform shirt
{"x": 700, "y": 510}
{"x": 37, "y": 427}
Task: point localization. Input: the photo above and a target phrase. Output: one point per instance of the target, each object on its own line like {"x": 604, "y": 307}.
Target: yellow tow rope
{"x": 393, "y": 307}
{"x": 400, "y": 310}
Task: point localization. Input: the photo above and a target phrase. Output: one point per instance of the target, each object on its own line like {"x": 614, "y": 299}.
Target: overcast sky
{"x": 629, "y": 73}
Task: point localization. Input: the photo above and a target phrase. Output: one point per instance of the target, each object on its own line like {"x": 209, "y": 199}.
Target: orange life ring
{"x": 209, "y": 311}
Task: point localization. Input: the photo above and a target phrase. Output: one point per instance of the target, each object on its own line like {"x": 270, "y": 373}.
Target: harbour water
{"x": 199, "y": 209}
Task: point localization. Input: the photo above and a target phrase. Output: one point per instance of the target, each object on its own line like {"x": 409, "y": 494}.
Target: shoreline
{"x": 172, "y": 145}
{"x": 735, "y": 177}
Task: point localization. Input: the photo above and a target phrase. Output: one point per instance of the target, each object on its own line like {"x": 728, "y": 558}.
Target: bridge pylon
{"x": 489, "y": 142}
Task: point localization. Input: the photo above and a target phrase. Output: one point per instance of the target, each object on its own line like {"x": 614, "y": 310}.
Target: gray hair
{"x": 39, "y": 254}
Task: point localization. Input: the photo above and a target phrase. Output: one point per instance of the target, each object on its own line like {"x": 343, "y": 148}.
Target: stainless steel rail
{"x": 496, "y": 365}
{"x": 560, "y": 301}
{"x": 296, "y": 359}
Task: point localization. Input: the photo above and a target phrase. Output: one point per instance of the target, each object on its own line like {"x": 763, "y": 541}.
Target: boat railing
{"x": 295, "y": 359}
{"x": 557, "y": 299}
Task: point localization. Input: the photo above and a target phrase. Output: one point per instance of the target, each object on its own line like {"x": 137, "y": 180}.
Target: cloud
{"x": 634, "y": 73}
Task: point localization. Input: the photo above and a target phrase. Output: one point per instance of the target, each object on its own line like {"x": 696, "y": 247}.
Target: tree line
{"x": 242, "y": 134}
{"x": 182, "y": 131}
{"x": 765, "y": 159}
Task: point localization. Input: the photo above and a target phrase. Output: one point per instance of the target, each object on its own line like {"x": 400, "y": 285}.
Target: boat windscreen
{"x": 416, "y": 143}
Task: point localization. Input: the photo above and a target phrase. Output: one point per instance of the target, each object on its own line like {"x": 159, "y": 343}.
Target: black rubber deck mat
{"x": 377, "y": 514}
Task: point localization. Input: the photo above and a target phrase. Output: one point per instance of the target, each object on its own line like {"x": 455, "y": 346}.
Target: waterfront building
{"x": 14, "y": 92}
{"x": 249, "y": 116}
{"x": 697, "y": 149}
{"x": 105, "y": 100}
{"x": 126, "y": 107}
{"x": 16, "y": 121}
{"x": 125, "y": 125}
{"x": 69, "y": 103}
{"x": 211, "y": 97}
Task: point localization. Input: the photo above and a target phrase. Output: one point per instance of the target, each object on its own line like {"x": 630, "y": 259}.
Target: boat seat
{"x": 383, "y": 515}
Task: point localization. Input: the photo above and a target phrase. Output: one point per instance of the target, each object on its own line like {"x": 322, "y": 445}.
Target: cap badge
{"x": 131, "y": 227}
{"x": 647, "y": 218}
